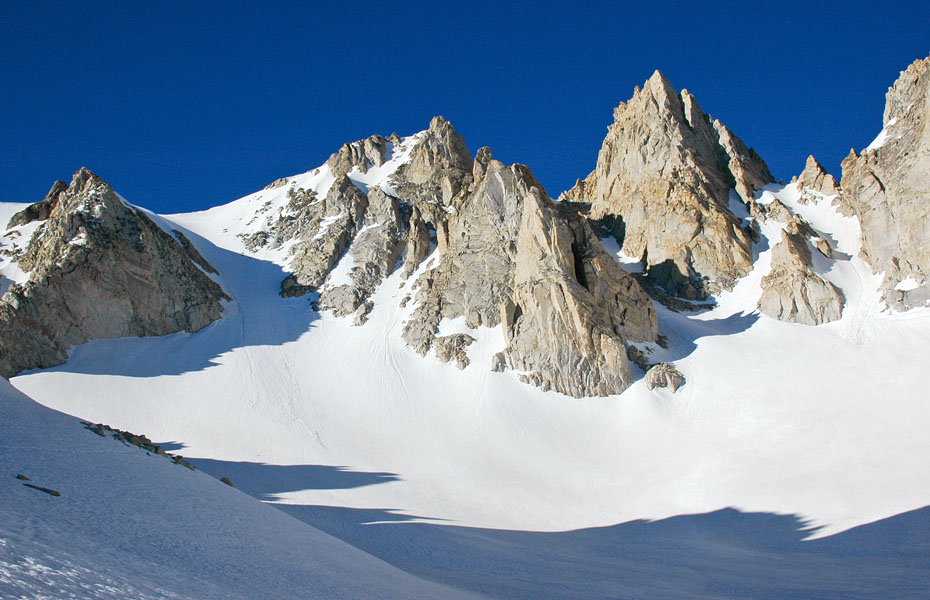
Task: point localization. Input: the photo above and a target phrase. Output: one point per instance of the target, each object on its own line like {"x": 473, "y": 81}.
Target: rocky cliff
{"x": 662, "y": 184}
{"x": 888, "y": 187}
{"x": 99, "y": 268}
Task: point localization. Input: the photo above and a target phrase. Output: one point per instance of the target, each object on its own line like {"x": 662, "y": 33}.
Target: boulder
{"x": 663, "y": 375}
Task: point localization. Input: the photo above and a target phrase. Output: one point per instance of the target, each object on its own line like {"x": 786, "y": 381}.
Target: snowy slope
{"x": 130, "y": 524}
{"x": 342, "y": 425}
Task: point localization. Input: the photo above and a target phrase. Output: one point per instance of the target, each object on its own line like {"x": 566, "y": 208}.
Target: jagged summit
{"x": 662, "y": 183}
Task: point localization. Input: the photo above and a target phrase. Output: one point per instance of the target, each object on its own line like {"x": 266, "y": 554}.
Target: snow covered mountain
{"x": 679, "y": 380}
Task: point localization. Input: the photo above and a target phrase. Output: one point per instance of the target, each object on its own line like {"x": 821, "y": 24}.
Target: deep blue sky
{"x": 182, "y": 107}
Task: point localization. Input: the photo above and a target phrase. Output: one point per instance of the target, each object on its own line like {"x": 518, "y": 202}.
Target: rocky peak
{"x": 506, "y": 256}
{"x": 441, "y": 152}
{"x": 85, "y": 178}
{"x": 437, "y": 174}
{"x": 482, "y": 158}
{"x": 100, "y": 268}
{"x": 660, "y": 90}
{"x": 371, "y": 231}
{"x": 815, "y": 177}
{"x": 888, "y": 187}
{"x": 663, "y": 178}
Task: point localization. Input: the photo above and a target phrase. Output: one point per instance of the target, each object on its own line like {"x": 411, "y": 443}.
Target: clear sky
{"x": 186, "y": 105}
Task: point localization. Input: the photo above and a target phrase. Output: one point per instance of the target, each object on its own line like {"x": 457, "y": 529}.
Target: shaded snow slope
{"x": 132, "y": 525}
{"x": 341, "y": 425}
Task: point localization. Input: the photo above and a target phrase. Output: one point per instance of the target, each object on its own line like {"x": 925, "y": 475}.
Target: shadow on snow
{"x": 722, "y": 554}
{"x": 266, "y": 482}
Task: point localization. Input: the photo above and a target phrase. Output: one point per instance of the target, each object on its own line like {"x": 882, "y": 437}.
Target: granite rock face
{"x": 361, "y": 154}
{"x": 572, "y": 309}
{"x": 476, "y": 245}
{"x": 513, "y": 258}
{"x": 99, "y": 268}
{"x": 662, "y": 185}
{"x": 887, "y": 187}
{"x": 438, "y": 170}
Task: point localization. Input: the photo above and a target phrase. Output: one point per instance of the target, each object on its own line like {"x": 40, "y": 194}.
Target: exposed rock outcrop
{"x": 377, "y": 228}
{"x": 662, "y": 181}
{"x": 573, "y": 308}
{"x": 507, "y": 256}
{"x": 439, "y": 168}
{"x": 301, "y": 215}
{"x": 99, "y": 268}
{"x": 888, "y": 188}
{"x": 331, "y": 226}
{"x": 140, "y": 441}
{"x": 374, "y": 251}
{"x": 361, "y": 154}
{"x": 418, "y": 242}
{"x": 41, "y": 210}
{"x": 451, "y": 348}
{"x": 477, "y": 246}
{"x": 791, "y": 291}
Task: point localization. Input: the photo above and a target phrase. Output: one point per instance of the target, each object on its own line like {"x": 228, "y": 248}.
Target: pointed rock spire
{"x": 664, "y": 172}
{"x": 815, "y": 177}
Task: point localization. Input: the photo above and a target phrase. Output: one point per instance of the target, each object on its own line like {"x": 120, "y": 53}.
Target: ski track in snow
{"x": 775, "y": 418}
